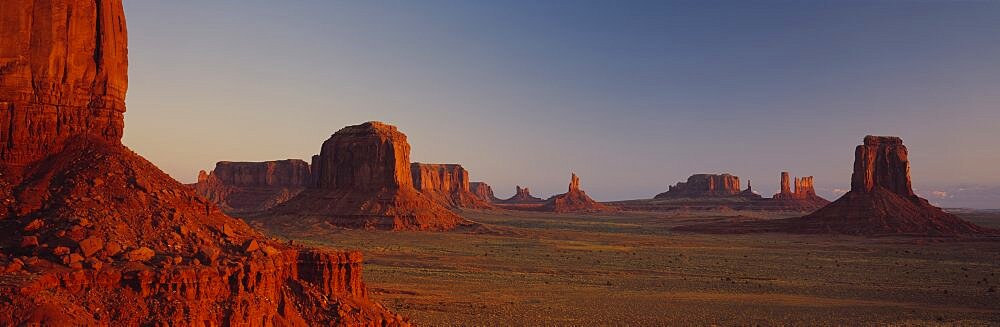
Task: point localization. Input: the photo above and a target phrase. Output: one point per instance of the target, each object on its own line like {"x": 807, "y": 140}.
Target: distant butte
{"x": 483, "y": 191}
{"x": 522, "y": 196}
{"x": 881, "y": 202}
{"x": 574, "y": 200}
{"x": 704, "y": 185}
{"x": 363, "y": 179}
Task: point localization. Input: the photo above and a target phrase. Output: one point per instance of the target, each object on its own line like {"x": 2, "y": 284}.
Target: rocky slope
{"x": 246, "y": 187}
{"x": 704, "y": 185}
{"x": 881, "y": 202}
{"x": 574, "y": 200}
{"x": 446, "y": 183}
{"x": 364, "y": 180}
{"x": 97, "y": 235}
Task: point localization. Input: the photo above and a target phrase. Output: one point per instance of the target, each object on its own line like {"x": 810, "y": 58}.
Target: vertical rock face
{"x": 63, "y": 73}
{"x": 881, "y": 200}
{"x": 804, "y": 188}
{"x": 574, "y": 200}
{"x": 119, "y": 242}
{"x": 364, "y": 180}
{"x": 522, "y": 196}
{"x": 483, "y": 191}
{"x": 704, "y": 185}
{"x": 246, "y": 187}
{"x": 881, "y": 162}
{"x": 447, "y": 184}
{"x": 368, "y": 157}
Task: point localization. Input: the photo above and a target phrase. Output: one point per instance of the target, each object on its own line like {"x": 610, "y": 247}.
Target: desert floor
{"x": 630, "y": 269}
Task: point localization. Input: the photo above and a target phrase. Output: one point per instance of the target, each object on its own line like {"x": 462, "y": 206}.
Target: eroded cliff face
{"x": 97, "y": 235}
{"x": 446, "y": 183}
{"x": 63, "y": 73}
{"x": 483, "y": 191}
{"x": 248, "y": 187}
{"x": 364, "y": 180}
{"x": 574, "y": 200}
{"x": 704, "y": 185}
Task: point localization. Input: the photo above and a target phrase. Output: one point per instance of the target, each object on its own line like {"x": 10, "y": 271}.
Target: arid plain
{"x": 629, "y": 268}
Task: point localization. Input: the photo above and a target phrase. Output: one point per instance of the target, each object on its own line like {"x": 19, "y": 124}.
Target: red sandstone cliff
{"x": 363, "y": 180}
{"x": 448, "y": 184}
{"x": 246, "y": 187}
{"x": 704, "y": 185}
{"x": 574, "y": 200}
{"x": 97, "y": 235}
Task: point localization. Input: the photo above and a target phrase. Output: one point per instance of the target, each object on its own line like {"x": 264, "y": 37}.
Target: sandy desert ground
{"x": 630, "y": 269}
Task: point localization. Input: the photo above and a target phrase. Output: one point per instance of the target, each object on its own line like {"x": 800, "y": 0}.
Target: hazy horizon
{"x": 632, "y": 98}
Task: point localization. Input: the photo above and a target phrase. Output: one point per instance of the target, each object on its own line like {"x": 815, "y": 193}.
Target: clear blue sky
{"x": 632, "y": 96}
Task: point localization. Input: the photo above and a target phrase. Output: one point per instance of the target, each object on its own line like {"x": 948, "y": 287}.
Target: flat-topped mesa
{"x": 96, "y": 235}
{"x": 704, "y": 185}
{"x": 483, "y": 191}
{"x": 246, "y": 187}
{"x": 574, "y": 200}
{"x": 447, "y": 184}
{"x": 364, "y": 180}
{"x": 882, "y": 162}
{"x": 63, "y": 73}
{"x": 522, "y": 196}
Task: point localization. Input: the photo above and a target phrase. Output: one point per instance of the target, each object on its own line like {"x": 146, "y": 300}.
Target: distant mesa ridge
{"x": 704, "y": 185}
{"x": 245, "y": 187}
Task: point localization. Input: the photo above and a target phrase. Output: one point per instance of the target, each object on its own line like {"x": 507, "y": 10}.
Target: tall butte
{"x": 881, "y": 200}
{"x": 363, "y": 179}
{"x": 574, "y": 200}
{"x": 96, "y": 235}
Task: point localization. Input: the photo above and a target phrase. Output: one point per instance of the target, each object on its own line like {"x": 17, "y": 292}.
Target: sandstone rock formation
{"x": 63, "y": 73}
{"x": 574, "y": 200}
{"x": 704, "y": 185}
{"x": 522, "y": 196}
{"x": 246, "y": 187}
{"x": 448, "y": 184}
{"x": 97, "y": 235}
{"x": 881, "y": 202}
{"x": 483, "y": 191}
{"x": 803, "y": 196}
{"x": 749, "y": 193}
{"x": 364, "y": 180}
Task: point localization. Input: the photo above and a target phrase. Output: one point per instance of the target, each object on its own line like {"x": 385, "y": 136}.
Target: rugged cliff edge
{"x": 97, "y": 235}
{"x": 448, "y": 184}
{"x": 247, "y": 187}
